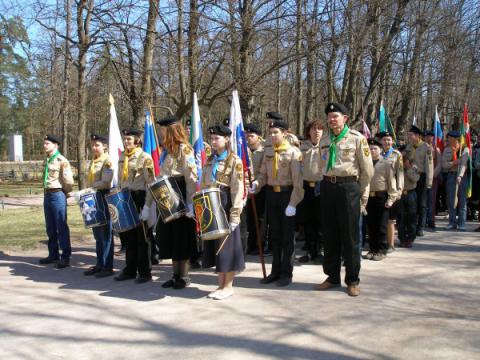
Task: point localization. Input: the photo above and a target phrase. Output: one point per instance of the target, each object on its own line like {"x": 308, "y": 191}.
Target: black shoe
{"x": 91, "y": 271}
{"x": 195, "y": 265}
{"x": 62, "y": 264}
{"x": 284, "y": 281}
{"x": 168, "y": 284}
{"x": 104, "y": 273}
{"x": 269, "y": 279}
{"x": 304, "y": 259}
{"x": 47, "y": 260}
{"x": 420, "y": 233}
{"x": 143, "y": 279}
{"x": 155, "y": 262}
{"x": 267, "y": 252}
{"x": 123, "y": 277}
{"x": 181, "y": 283}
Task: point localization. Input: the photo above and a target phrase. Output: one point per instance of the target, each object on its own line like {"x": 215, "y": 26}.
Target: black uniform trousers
{"x": 310, "y": 211}
{"x": 252, "y": 230}
{"x": 407, "y": 217}
{"x": 282, "y": 232}
{"x": 421, "y": 190}
{"x": 340, "y": 206}
{"x": 138, "y": 246}
{"x": 377, "y": 220}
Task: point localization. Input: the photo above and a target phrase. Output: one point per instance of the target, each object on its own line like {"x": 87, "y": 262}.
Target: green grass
{"x": 21, "y": 188}
{"x": 25, "y": 228}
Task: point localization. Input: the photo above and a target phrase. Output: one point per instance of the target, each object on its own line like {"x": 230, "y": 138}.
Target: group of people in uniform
{"x": 335, "y": 186}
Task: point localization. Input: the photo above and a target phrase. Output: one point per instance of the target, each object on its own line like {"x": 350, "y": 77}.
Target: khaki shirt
{"x": 60, "y": 175}
{"x": 103, "y": 173}
{"x": 312, "y": 170}
{"x": 229, "y": 174}
{"x": 411, "y": 177}
{"x": 289, "y": 172}
{"x": 421, "y": 156}
{"x": 447, "y": 161}
{"x": 384, "y": 179}
{"x": 140, "y": 173}
{"x": 182, "y": 165}
{"x": 396, "y": 159}
{"x": 256, "y": 157}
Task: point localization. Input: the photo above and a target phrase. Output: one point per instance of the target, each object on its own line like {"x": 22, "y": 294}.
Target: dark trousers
{"x": 377, "y": 220}
{"x": 407, "y": 217}
{"x": 252, "y": 230}
{"x": 311, "y": 219}
{"x": 58, "y": 232}
{"x": 282, "y": 232}
{"x": 340, "y": 223}
{"x": 138, "y": 247}
{"x": 421, "y": 190}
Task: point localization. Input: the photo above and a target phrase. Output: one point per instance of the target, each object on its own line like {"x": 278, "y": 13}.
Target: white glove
{"x": 233, "y": 226}
{"x": 253, "y": 187}
{"x": 290, "y": 211}
{"x": 145, "y": 214}
{"x": 189, "y": 213}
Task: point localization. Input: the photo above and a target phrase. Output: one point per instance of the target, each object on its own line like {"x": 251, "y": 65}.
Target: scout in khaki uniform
{"x": 57, "y": 181}
{"x": 224, "y": 170}
{"x": 281, "y": 173}
{"x": 420, "y": 153}
{"x": 135, "y": 168}
{"x": 347, "y": 169}
{"x": 312, "y": 174}
{"x": 383, "y": 194}
{"x": 395, "y": 157}
{"x": 100, "y": 175}
{"x": 407, "y": 211}
{"x": 455, "y": 163}
{"x": 177, "y": 238}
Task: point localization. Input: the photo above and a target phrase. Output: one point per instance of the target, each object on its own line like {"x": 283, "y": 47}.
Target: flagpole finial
{"x": 111, "y": 100}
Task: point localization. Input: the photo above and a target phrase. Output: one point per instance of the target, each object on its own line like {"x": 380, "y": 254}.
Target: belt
{"x": 340, "y": 179}
{"x": 405, "y": 192}
{"x": 278, "y": 188}
{"x": 377, "y": 193}
{"x": 49, "y": 191}
{"x": 309, "y": 183}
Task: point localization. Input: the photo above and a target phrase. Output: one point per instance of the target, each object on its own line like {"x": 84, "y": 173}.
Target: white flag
{"x": 115, "y": 143}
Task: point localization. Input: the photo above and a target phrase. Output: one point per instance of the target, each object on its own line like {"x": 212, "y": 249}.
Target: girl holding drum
{"x": 176, "y": 238}
{"x": 224, "y": 170}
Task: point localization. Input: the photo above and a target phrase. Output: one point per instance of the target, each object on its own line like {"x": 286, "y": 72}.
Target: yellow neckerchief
{"x": 125, "y": 162}
{"x": 91, "y": 171}
{"x": 279, "y": 148}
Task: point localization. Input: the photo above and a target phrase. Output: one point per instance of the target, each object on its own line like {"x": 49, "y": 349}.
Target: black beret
{"x": 188, "y": 122}
{"x": 226, "y": 121}
{"x": 132, "y": 132}
{"x": 278, "y": 124}
{"x": 253, "y": 128}
{"x": 415, "y": 130}
{"x": 53, "y": 138}
{"x": 402, "y": 148}
{"x": 383, "y": 134}
{"x": 101, "y": 138}
{"x": 453, "y": 134}
{"x": 169, "y": 120}
{"x": 428, "y": 133}
{"x": 336, "y": 107}
{"x": 274, "y": 115}
{"x": 221, "y": 130}
{"x": 373, "y": 141}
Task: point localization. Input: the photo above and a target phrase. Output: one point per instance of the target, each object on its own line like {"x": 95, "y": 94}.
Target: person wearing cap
{"x": 57, "y": 182}
{"x": 395, "y": 157}
{"x": 224, "y": 170}
{"x": 281, "y": 173}
{"x": 382, "y": 195}
{"x": 176, "y": 238}
{"x": 455, "y": 164}
{"x": 407, "y": 208}
{"x": 429, "y": 137}
{"x": 99, "y": 178}
{"x": 347, "y": 169}
{"x": 421, "y": 155}
{"x": 309, "y": 207}
{"x": 289, "y": 136}
{"x": 135, "y": 172}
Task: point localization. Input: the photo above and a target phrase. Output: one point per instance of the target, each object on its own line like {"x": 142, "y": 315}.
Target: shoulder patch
{"x": 239, "y": 167}
{"x": 148, "y": 162}
{"x": 366, "y": 151}
{"x": 187, "y": 150}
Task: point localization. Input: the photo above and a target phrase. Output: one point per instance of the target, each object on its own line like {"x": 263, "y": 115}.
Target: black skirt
{"x": 230, "y": 257}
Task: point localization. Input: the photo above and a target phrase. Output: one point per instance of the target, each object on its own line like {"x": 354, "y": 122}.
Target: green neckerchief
{"x": 333, "y": 147}
{"x": 49, "y": 160}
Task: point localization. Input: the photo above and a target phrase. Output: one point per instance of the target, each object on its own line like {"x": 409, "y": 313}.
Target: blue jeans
{"x": 461, "y": 209}
{"x": 55, "y": 210}
{"x": 104, "y": 246}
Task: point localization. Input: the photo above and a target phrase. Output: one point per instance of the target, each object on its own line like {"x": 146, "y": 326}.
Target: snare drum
{"x": 93, "y": 209}
{"x": 122, "y": 210}
{"x": 168, "y": 197}
{"x": 210, "y": 214}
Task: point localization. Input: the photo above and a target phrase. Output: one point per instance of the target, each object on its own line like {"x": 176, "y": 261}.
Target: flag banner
{"x": 438, "y": 132}
{"x": 150, "y": 142}
{"x": 196, "y": 139}
{"x": 466, "y": 142}
{"x": 115, "y": 143}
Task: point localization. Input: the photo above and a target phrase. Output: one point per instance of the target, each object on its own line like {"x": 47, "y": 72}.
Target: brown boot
{"x": 353, "y": 290}
{"x": 326, "y": 285}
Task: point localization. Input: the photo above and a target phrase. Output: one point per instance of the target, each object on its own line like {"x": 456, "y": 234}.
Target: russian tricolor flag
{"x": 438, "y": 132}
{"x": 150, "y": 143}
{"x": 196, "y": 139}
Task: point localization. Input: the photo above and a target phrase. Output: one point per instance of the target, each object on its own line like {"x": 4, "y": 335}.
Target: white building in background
{"x": 15, "y": 147}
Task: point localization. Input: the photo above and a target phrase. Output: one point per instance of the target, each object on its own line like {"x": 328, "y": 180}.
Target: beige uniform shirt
{"x": 140, "y": 173}
{"x": 312, "y": 170}
{"x": 103, "y": 173}
{"x": 447, "y": 161}
{"x": 289, "y": 172}
{"x": 421, "y": 156}
{"x": 384, "y": 179}
{"x": 229, "y": 174}
{"x": 60, "y": 175}
{"x": 256, "y": 157}
{"x": 396, "y": 159}
{"x": 411, "y": 177}
{"x": 182, "y": 165}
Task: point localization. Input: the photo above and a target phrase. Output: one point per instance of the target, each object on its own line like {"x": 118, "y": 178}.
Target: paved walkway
{"x": 420, "y": 303}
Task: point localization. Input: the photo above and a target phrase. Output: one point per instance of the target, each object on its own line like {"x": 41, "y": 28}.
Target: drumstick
{"x": 221, "y": 245}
